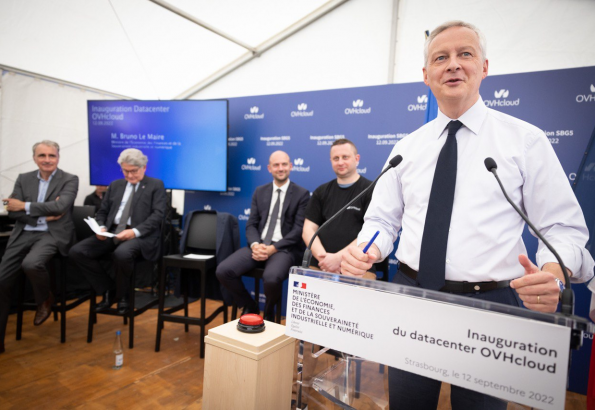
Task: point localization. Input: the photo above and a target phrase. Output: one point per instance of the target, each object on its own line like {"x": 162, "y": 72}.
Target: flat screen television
{"x": 185, "y": 141}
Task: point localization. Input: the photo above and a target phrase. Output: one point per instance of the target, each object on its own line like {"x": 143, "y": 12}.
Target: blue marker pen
{"x": 371, "y": 242}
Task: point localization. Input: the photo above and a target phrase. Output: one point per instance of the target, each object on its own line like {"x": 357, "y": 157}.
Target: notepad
{"x": 199, "y": 257}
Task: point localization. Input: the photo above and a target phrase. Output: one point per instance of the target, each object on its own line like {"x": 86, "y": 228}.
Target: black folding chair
{"x": 201, "y": 239}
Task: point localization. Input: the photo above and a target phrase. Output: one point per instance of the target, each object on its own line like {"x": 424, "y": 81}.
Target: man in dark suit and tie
{"x": 273, "y": 232}
{"x": 41, "y": 204}
{"x": 133, "y": 209}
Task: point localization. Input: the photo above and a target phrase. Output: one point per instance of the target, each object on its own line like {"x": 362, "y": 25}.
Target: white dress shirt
{"x": 277, "y": 235}
{"x": 485, "y": 231}
{"x": 42, "y": 191}
{"x": 118, "y": 216}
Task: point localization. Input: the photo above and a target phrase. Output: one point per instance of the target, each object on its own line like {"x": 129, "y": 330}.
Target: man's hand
{"x": 330, "y": 262}
{"x": 259, "y": 252}
{"x": 13, "y": 204}
{"x": 53, "y": 218}
{"x": 126, "y": 235}
{"x": 355, "y": 263}
{"x": 262, "y": 252}
{"x": 538, "y": 288}
{"x": 100, "y": 237}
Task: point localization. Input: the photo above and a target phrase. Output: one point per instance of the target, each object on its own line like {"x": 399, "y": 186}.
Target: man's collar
{"x": 283, "y": 187}
{"x": 472, "y": 118}
{"x": 50, "y": 178}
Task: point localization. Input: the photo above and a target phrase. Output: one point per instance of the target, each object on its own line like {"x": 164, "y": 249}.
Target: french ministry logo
{"x": 250, "y": 165}
{"x": 358, "y": 108}
{"x": 422, "y": 104}
{"x": 299, "y": 285}
{"x": 301, "y": 112}
{"x": 501, "y": 99}
{"x": 581, "y": 98}
{"x": 298, "y": 165}
{"x": 254, "y": 115}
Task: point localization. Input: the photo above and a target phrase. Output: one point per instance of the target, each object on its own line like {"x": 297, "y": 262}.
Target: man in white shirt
{"x": 273, "y": 233}
{"x": 459, "y": 234}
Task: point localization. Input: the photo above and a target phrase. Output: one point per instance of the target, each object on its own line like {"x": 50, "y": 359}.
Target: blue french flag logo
{"x": 299, "y": 285}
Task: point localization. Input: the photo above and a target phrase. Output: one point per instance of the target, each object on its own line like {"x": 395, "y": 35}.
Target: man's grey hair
{"x": 134, "y": 157}
{"x": 455, "y": 23}
{"x": 48, "y": 143}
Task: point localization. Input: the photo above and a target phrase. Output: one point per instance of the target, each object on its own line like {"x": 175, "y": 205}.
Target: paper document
{"x": 199, "y": 257}
{"x": 96, "y": 228}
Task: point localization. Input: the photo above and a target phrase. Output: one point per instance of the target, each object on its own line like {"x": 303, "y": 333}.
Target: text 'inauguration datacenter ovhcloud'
{"x": 494, "y": 350}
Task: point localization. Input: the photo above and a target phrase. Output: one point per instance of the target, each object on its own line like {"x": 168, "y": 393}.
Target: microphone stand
{"x": 567, "y": 299}
{"x": 396, "y": 160}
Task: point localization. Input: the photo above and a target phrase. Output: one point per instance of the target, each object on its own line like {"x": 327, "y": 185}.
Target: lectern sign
{"x": 516, "y": 359}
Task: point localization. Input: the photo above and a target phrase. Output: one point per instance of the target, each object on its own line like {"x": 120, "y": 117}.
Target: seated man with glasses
{"x": 133, "y": 209}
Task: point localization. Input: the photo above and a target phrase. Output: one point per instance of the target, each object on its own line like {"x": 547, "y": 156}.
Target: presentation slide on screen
{"x": 185, "y": 141}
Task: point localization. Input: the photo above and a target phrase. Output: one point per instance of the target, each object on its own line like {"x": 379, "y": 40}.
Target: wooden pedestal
{"x": 248, "y": 371}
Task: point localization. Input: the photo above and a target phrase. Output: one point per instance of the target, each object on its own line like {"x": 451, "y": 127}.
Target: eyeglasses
{"x": 130, "y": 171}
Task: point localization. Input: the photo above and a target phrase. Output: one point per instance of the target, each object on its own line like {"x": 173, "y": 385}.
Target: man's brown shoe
{"x": 44, "y": 310}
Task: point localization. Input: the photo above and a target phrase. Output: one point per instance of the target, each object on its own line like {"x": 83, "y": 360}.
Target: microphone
{"x": 567, "y": 295}
{"x": 396, "y": 160}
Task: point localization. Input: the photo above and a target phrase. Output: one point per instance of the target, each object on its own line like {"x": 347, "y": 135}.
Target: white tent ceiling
{"x": 142, "y": 49}
{"x": 139, "y": 48}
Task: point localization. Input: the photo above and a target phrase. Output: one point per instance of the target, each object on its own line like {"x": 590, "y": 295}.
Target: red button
{"x": 251, "y": 319}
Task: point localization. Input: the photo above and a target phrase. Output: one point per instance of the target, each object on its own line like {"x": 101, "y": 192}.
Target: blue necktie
{"x": 435, "y": 238}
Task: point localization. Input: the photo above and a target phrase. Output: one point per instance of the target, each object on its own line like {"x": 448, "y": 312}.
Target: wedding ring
{"x": 538, "y": 297}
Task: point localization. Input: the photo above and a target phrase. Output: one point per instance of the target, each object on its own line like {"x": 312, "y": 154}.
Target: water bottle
{"x": 118, "y": 352}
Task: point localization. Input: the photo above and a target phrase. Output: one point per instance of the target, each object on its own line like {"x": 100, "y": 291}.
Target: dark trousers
{"x": 411, "y": 391}
{"x": 87, "y": 256}
{"x": 276, "y": 270}
{"x": 30, "y": 252}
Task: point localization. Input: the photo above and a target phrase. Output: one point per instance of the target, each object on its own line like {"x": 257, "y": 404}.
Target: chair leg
{"x": 20, "y": 307}
{"x": 234, "y": 311}
{"x": 257, "y": 292}
{"x": 358, "y": 377}
{"x": 161, "y": 307}
{"x": 203, "y": 285}
{"x": 278, "y": 310}
{"x": 185, "y": 285}
{"x": 130, "y": 313}
{"x": 92, "y": 316}
{"x": 63, "y": 268}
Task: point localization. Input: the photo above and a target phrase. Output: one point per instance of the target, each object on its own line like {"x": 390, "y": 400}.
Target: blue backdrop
{"x": 561, "y": 102}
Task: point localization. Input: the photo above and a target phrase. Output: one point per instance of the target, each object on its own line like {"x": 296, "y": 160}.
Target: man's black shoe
{"x": 251, "y": 308}
{"x": 123, "y": 306}
{"x": 107, "y": 302}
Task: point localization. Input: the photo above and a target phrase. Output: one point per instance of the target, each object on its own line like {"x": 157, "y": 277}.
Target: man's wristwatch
{"x": 561, "y": 286}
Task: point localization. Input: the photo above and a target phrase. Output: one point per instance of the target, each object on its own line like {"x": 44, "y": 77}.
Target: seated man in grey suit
{"x": 274, "y": 232}
{"x": 133, "y": 208}
{"x": 41, "y": 204}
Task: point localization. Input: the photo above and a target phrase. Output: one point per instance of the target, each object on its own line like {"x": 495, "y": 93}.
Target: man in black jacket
{"x": 133, "y": 209}
{"x": 273, "y": 233}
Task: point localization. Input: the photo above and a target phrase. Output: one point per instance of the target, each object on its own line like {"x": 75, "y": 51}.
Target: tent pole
{"x": 64, "y": 82}
{"x": 201, "y": 23}
{"x": 263, "y": 47}
{"x": 392, "y": 51}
